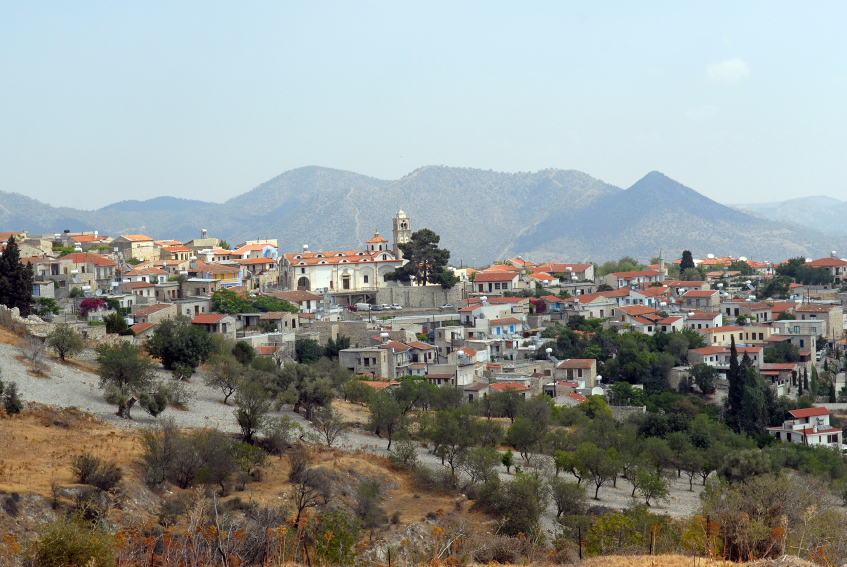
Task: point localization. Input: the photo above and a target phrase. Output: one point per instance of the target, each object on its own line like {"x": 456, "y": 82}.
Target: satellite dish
{"x": 99, "y": 292}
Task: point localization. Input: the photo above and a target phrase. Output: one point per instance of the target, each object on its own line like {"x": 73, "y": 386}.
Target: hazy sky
{"x": 99, "y": 102}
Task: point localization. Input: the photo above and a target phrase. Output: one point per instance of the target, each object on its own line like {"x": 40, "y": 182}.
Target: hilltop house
{"x": 809, "y": 426}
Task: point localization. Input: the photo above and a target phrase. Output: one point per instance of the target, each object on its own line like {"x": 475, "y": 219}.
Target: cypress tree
{"x": 16, "y": 279}
{"x": 687, "y": 261}
{"x": 736, "y": 379}
{"x": 753, "y": 404}
{"x": 832, "y": 397}
{"x": 805, "y": 380}
{"x": 814, "y": 383}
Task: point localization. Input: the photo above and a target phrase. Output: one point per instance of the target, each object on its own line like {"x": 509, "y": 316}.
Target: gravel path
{"x": 66, "y": 385}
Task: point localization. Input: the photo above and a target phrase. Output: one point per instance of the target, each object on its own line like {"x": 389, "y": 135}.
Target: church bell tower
{"x": 402, "y": 232}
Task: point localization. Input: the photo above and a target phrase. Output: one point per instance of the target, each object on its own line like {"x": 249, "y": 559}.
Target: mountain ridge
{"x": 481, "y": 215}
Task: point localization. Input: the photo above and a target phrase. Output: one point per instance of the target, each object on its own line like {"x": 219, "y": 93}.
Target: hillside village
{"x": 685, "y": 365}
{"x": 483, "y": 333}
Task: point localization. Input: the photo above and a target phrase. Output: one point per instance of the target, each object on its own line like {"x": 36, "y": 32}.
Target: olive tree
{"x": 128, "y": 376}
{"x": 65, "y": 341}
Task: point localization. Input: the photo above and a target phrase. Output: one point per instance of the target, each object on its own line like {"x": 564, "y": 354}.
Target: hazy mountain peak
{"x": 481, "y": 215}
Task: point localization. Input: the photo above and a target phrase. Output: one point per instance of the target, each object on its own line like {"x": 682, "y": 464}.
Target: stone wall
{"x": 424, "y": 296}
{"x": 622, "y": 412}
{"x": 12, "y": 320}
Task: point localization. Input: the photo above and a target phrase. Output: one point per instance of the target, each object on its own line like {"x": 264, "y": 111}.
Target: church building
{"x": 347, "y": 270}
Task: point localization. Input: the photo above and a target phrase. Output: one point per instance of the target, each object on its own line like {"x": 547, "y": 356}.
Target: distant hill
{"x": 158, "y": 204}
{"x": 819, "y": 212}
{"x": 481, "y": 216}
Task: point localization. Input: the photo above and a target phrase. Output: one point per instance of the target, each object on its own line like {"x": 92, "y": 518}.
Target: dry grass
{"x": 37, "y": 447}
{"x": 654, "y": 561}
{"x": 8, "y": 337}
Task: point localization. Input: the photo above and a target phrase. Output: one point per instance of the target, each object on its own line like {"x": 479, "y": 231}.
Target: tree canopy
{"x": 16, "y": 279}
{"x": 427, "y": 263}
{"x": 225, "y": 300}
{"x": 177, "y": 341}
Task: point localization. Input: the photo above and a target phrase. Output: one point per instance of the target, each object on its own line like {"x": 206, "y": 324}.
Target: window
{"x": 814, "y": 330}
{"x": 796, "y": 329}
{"x": 496, "y": 286}
{"x": 365, "y": 278}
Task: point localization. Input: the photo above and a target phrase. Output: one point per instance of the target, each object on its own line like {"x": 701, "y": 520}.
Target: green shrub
{"x": 404, "y": 455}
{"x": 84, "y": 467}
{"x": 72, "y": 542}
{"x": 91, "y": 470}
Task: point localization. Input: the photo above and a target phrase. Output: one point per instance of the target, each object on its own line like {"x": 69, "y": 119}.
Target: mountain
{"x": 819, "y": 212}
{"x": 157, "y": 204}
{"x": 481, "y": 216}
{"x": 660, "y": 213}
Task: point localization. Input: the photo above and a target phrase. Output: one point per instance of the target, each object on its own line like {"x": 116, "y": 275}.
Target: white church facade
{"x": 347, "y": 270}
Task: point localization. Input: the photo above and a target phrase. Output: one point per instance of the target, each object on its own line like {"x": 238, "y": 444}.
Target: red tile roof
{"x": 627, "y": 275}
{"x": 700, "y": 293}
{"x": 827, "y": 263}
{"x": 397, "y": 346}
{"x": 506, "y": 386}
{"x": 579, "y": 398}
{"x": 208, "y": 318}
{"x": 296, "y": 296}
{"x": 137, "y": 285}
{"x": 266, "y": 350}
{"x": 808, "y": 412}
{"x": 635, "y": 310}
{"x": 150, "y": 309}
{"x": 506, "y": 321}
{"x": 275, "y": 315}
{"x": 89, "y": 258}
{"x": 704, "y": 316}
{"x": 573, "y": 363}
{"x": 141, "y": 327}
{"x": 495, "y": 277}
{"x": 816, "y": 308}
{"x": 136, "y": 238}
{"x": 379, "y": 384}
